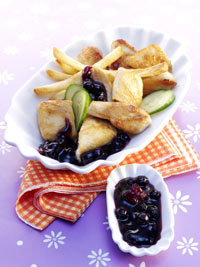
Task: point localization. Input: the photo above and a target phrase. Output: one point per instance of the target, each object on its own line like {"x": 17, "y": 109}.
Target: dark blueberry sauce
{"x": 117, "y": 144}
{"x": 138, "y": 211}
{"x": 96, "y": 89}
{"x": 63, "y": 148}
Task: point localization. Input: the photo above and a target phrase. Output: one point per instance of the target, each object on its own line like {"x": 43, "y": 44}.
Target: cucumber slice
{"x": 158, "y": 101}
{"x": 71, "y": 90}
{"x": 80, "y": 103}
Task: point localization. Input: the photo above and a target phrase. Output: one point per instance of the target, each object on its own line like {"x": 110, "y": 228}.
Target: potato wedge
{"x": 89, "y": 55}
{"x": 56, "y": 75}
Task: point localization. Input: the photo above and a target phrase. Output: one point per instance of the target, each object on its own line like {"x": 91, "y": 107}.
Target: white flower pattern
{"x": 188, "y": 106}
{"x": 25, "y": 36}
{"x": 4, "y": 147}
{"x": 107, "y": 223}
{"x": 5, "y": 76}
{"x": 53, "y": 25}
{"x": 54, "y": 239}
{"x": 193, "y": 132}
{"x": 179, "y": 202}
{"x": 21, "y": 171}
{"x": 11, "y": 50}
{"x": 142, "y": 264}
{"x": 187, "y": 246}
{"x": 198, "y": 174}
{"x": 98, "y": 258}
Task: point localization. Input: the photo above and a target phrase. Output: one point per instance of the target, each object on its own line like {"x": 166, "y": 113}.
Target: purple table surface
{"x": 29, "y": 30}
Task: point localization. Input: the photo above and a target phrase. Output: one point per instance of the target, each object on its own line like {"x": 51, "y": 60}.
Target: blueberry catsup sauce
{"x": 96, "y": 89}
{"x": 138, "y": 211}
{"x": 63, "y": 148}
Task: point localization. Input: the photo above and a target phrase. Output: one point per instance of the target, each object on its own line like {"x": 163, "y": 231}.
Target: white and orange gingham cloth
{"x": 46, "y": 194}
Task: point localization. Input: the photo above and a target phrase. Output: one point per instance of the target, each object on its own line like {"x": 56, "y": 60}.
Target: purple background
{"x": 29, "y": 30}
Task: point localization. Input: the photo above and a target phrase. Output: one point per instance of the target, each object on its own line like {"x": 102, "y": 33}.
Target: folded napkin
{"x": 46, "y": 194}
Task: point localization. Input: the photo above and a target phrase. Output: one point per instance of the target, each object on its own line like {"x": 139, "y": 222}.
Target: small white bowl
{"x": 167, "y": 233}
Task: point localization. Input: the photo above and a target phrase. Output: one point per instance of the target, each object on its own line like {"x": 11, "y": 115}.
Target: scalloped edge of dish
{"x": 31, "y": 153}
{"x": 167, "y": 233}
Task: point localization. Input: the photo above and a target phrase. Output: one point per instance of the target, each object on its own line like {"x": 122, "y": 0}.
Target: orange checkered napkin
{"x": 46, "y": 194}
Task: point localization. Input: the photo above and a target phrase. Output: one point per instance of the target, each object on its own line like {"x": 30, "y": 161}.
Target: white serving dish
{"x": 22, "y": 129}
{"x": 167, "y": 233}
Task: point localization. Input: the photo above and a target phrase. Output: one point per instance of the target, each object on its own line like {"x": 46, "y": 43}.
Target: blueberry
{"x": 155, "y": 194}
{"x": 122, "y": 213}
{"x": 141, "y": 207}
{"x": 152, "y": 227}
{"x": 154, "y": 211}
{"x": 142, "y": 218}
{"x": 142, "y": 180}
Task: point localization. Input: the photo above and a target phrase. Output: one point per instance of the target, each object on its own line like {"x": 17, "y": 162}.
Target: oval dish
{"x": 22, "y": 128}
{"x": 167, "y": 233}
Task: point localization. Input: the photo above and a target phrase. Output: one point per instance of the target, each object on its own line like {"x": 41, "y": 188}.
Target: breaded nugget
{"x": 148, "y": 56}
{"x": 52, "y": 116}
{"x": 94, "y": 133}
{"x": 89, "y": 55}
{"x": 125, "y": 117}
{"x": 127, "y": 88}
{"x": 165, "y": 80}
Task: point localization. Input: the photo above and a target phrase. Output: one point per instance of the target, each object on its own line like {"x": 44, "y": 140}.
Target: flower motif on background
{"x": 11, "y": 50}
{"x": 2, "y": 125}
{"x": 47, "y": 54}
{"x": 12, "y": 23}
{"x": 98, "y": 258}
{"x": 142, "y": 264}
{"x": 4, "y": 147}
{"x": 198, "y": 173}
{"x": 40, "y": 8}
{"x": 179, "y": 202}
{"x": 25, "y": 36}
{"x": 54, "y": 239}
{"x": 5, "y": 76}
{"x": 21, "y": 171}
{"x": 193, "y": 132}
{"x": 107, "y": 223}
{"x": 53, "y": 25}
{"x": 188, "y": 106}
{"x": 187, "y": 246}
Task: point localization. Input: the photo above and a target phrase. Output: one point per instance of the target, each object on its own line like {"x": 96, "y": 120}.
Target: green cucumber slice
{"x": 71, "y": 90}
{"x": 80, "y": 103}
{"x": 158, "y": 101}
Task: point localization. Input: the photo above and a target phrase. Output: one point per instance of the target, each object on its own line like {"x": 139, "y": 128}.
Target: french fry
{"x": 110, "y": 58}
{"x": 146, "y": 72}
{"x": 56, "y": 75}
{"x": 57, "y": 96}
{"x": 49, "y": 90}
{"x": 67, "y": 60}
{"x": 66, "y": 68}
